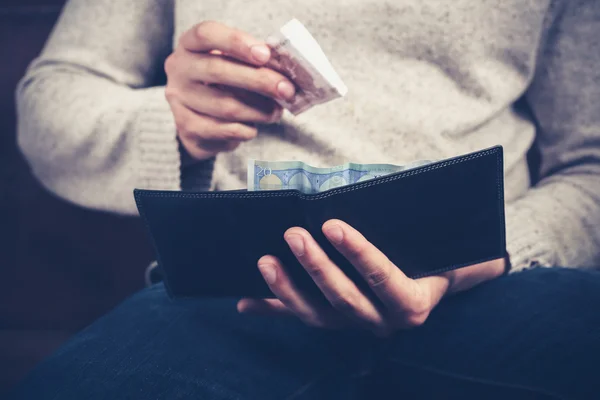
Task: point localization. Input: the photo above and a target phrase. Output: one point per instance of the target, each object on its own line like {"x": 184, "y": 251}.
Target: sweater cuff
{"x": 528, "y": 242}
{"x": 154, "y": 128}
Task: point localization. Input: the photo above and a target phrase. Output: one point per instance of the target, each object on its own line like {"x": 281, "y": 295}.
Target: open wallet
{"x": 426, "y": 220}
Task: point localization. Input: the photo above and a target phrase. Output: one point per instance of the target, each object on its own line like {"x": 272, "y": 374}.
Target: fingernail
{"x": 296, "y": 243}
{"x": 286, "y": 90}
{"x": 334, "y": 233}
{"x": 268, "y": 272}
{"x": 261, "y": 53}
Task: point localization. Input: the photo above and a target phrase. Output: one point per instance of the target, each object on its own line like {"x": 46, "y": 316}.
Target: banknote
{"x": 297, "y": 55}
{"x": 280, "y": 175}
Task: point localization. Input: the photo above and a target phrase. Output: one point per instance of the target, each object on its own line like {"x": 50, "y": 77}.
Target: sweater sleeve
{"x": 89, "y": 123}
{"x": 558, "y": 222}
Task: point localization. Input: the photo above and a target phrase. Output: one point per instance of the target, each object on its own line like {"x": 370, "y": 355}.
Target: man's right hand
{"x": 218, "y": 86}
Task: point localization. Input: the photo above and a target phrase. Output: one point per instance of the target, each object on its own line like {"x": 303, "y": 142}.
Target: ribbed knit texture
{"x": 427, "y": 80}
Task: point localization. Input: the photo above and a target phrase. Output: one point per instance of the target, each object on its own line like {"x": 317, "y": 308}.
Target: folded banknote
{"x": 280, "y": 175}
{"x": 297, "y": 55}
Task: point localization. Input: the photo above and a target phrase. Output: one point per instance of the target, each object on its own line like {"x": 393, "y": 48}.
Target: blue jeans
{"x": 531, "y": 335}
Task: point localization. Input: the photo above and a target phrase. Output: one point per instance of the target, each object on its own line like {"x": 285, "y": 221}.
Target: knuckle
{"x": 422, "y": 306}
{"x": 357, "y": 249}
{"x": 415, "y": 320}
{"x": 230, "y": 109}
{"x": 378, "y": 275}
{"x": 214, "y": 69}
{"x": 237, "y": 132}
{"x": 170, "y": 64}
{"x": 183, "y": 124}
{"x": 171, "y": 93}
{"x": 181, "y": 40}
{"x": 191, "y": 147}
{"x": 251, "y": 133}
{"x": 314, "y": 270}
{"x": 314, "y": 266}
{"x": 419, "y": 307}
{"x": 204, "y": 29}
{"x": 182, "y": 127}
{"x": 237, "y": 40}
{"x": 266, "y": 82}
{"x": 345, "y": 303}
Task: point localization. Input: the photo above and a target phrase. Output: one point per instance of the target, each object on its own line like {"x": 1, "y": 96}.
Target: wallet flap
{"x": 427, "y": 220}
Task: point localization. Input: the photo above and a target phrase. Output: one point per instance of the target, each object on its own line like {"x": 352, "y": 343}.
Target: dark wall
{"x": 61, "y": 266}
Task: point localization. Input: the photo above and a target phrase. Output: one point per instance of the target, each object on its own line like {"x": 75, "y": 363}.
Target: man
{"x": 427, "y": 80}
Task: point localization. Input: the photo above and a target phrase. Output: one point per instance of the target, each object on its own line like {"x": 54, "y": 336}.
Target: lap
{"x": 154, "y": 347}
{"x": 537, "y": 329}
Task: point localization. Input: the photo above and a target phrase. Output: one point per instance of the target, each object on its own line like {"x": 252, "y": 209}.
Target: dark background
{"x": 60, "y": 266}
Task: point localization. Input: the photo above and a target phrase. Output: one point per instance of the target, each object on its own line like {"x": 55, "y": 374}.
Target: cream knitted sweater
{"x": 428, "y": 79}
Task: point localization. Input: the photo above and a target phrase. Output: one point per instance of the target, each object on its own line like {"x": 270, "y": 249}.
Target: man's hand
{"x": 402, "y": 302}
{"x": 218, "y": 86}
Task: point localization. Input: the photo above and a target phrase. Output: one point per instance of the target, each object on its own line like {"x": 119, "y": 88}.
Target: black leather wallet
{"x": 427, "y": 220}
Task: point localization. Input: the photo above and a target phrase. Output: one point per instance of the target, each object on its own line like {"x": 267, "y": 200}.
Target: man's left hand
{"x": 402, "y": 302}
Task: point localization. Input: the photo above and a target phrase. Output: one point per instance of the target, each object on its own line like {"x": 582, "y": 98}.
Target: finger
{"x": 255, "y": 100}
{"x": 206, "y": 127}
{"x": 340, "y": 291}
{"x": 263, "y": 307}
{"x": 211, "y": 35}
{"x": 215, "y": 146}
{"x": 216, "y": 69}
{"x": 398, "y": 292}
{"x": 308, "y": 310}
{"x": 203, "y": 136}
{"x": 228, "y": 106}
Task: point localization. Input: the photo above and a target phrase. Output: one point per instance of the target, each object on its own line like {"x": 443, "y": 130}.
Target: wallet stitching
{"x": 458, "y": 160}
{"x": 328, "y": 193}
